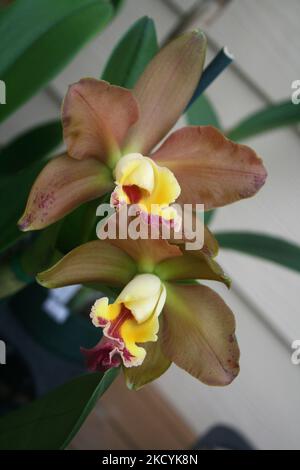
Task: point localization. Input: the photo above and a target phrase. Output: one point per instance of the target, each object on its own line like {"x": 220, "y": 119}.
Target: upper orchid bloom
{"x": 141, "y": 181}
{"x": 155, "y": 320}
{"x": 110, "y": 133}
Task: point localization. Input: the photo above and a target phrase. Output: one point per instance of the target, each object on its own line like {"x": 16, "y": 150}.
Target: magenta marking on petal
{"x": 158, "y": 220}
{"x": 103, "y": 356}
{"x": 111, "y": 350}
{"x": 44, "y": 200}
{"x": 25, "y": 223}
{"x": 259, "y": 181}
{"x": 114, "y": 199}
{"x": 133, "y": 192}
{"x": 106, "y": 354}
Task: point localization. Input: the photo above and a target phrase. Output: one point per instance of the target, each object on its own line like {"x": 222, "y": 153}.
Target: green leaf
{"x": 271, "y": 117}
{"x": 51, "y": 422}
{"x": 20, "y": 267}
{"x": 29, "y": 148}
{"x": 265, "y": 246}
{"x": 80, "y": 226}
{"x": 132, "y": 54}
{"x": 208, "y": 216}
{"x": 9, "y": 281}
{"x": 202, "y": 113}
{"x": 39, "y": 37}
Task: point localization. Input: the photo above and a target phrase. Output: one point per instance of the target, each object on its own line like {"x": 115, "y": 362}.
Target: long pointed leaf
{"x": 132, "y": 54}
{"x": 202, "y": 113}
{"x": 268, "y": 247}
{"x": 39, "y": 37}
{"x": 269, "y": 118}
{"x": 52, "y": 421}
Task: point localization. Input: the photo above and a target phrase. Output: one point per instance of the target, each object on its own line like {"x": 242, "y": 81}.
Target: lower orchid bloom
{"x": 155, "y": 320}
{"x": 110, "y": 133}
{"x": 132, "y": 319}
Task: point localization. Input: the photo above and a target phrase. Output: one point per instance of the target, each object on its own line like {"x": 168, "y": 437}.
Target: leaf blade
{"x": 27, "y": 32}
{"x": 51, "y": 422}
{"x": 203, "y": 113}
{"x": 131, "y": 55}
{"x": 29, "y": 147}
{"x": 264, "y": 246}
{"x": 272, "y": 117}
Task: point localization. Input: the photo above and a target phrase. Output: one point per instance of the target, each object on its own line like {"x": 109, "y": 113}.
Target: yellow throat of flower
{"x": 139, "y": 180}
{"x": 130, "y": 321}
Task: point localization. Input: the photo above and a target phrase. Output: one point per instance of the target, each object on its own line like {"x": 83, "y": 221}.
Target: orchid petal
{"x": 147, "y": 252}
{"x": 144, "y": 296}
{"x": 191, "y": 266}
{"x": 165, "y": 88}
{"x": 63, "y": 185}
{"x": 96, "y": 117}
{"x": 211, "y": 169}
{"x": 198, "y": 334}
{"x": 190, "y": 233}
{"x": 153, "y": 366}
{"x": 104, "y": 356}
{"x": 93, "y": 262}
{"x": 134, "y": 169}
{"x": 127, "y": 328}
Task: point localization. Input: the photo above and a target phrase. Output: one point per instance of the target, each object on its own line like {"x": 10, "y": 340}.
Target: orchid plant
{"x": 121, "y": 147}
{"x": 109, "y": 132}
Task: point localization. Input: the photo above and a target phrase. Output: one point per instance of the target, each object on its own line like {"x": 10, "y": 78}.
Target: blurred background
{"x": 263, "y": 402}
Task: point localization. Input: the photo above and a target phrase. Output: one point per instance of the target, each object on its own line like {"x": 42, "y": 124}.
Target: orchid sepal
{"x": 91, "y": 263}
{"x": 164, "y": 90}
{"x": 192, "y": 266}
{"x": 199, "y": 334}
{"x": 63, "y": 184}
{"x": 210, "y": 168}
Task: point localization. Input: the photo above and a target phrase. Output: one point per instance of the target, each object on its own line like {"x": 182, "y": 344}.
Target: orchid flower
{"x": 110, "y": 134}
{"x": 155, "y": 320}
